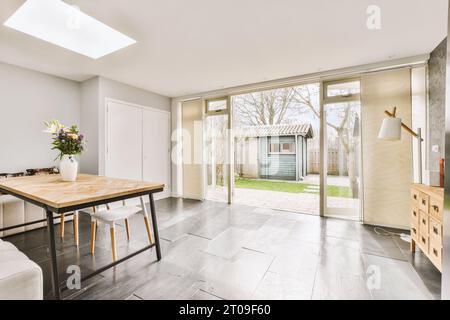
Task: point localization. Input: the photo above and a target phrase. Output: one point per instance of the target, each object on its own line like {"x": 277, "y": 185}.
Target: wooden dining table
{"x": 58, "y": 197}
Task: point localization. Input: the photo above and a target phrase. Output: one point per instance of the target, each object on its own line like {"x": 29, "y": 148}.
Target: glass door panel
{"x": 277, "y": 148}
{"x": 343, "y": 159}
{"x": 216, "y": 153}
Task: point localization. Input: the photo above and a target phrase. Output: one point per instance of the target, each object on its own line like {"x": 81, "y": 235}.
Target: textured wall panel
{"x": 387, "y": 165}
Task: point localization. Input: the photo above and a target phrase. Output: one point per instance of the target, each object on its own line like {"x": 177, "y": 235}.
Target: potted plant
{"x": 70, "y": 142}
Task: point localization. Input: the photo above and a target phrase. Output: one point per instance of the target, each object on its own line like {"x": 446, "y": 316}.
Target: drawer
{"x": 435, "y": 232}
{"x": 415, "y": 197}
{"x": 424, "y": 201}
{"x": 415, "y": 233}
{"x": 423, "y": 243}
{"x": 435, "y": 256}
{"x": 414, "y": 216}
{"x": 424, "y": 224}
{"x": 436, "y": 208}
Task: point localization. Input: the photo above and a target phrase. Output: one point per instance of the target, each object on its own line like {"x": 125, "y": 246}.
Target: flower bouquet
{"x": 69, "y": 142}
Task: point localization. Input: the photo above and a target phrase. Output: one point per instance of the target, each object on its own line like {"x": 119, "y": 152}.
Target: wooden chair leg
{"x": 75, "y": 228}
{"x": 147, "y": 226}
{"x": 113, "y": 242}
{"x": 127, "y": 227}
{"x": 93, "y": 235}
{"x": 62, "y": 225}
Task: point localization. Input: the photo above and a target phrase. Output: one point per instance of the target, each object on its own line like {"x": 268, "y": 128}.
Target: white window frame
{"x": 217, "y": 112}
{"x": 342, "y": 98}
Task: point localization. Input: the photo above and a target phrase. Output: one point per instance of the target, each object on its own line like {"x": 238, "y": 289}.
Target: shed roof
{"x": 299, "y": 129}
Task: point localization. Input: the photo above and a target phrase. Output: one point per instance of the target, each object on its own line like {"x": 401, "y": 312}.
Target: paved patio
{"x": 297, "y": 202}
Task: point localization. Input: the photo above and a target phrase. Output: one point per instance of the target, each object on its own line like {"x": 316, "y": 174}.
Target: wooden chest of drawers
{"x": 427, "y": 209}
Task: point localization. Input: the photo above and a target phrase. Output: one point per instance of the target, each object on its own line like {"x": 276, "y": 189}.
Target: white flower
{"x": 53, "y": 126}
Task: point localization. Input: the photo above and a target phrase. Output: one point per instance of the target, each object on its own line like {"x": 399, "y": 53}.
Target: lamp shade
{"x": 391, "y": 129}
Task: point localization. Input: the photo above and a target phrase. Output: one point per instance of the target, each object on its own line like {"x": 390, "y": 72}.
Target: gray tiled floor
{"x": 215, "y": 251}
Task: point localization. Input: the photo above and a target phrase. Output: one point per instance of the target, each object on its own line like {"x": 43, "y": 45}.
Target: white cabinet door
{"x": 156, "y": 149}
{"x": 124, "y": 144}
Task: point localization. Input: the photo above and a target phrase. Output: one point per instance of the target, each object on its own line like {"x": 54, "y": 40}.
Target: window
{"x": 342, "y": 91}
{"x": 283, "y": 148}
{"x": 274, "y": 148}
{"x": 287, "y": 148}
{"x": 216, "y": 106}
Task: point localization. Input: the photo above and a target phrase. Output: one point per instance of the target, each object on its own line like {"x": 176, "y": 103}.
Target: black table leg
{"x": 52, "y": 247}
{"x": 155, "y": 226}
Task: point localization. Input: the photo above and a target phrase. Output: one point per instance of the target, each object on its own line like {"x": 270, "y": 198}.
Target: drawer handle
{"x": 435, "y": 230}
{"x": 423, "y": 240}
{"x": 424, "y": 221}
{"x": 414, "y": 230}
{"x": 414, "y": 214}
{"x": 436, "y": 208}
{"x": 415, "y": 197}
{"x": 424, "y": 202}
{"x": 435, "y": 252}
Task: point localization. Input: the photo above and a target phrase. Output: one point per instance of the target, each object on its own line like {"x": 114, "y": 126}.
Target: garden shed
{"x": 272, "y": 151}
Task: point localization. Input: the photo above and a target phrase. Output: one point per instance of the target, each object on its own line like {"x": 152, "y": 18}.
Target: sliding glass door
{"x": 216, "y": 150}
{"x": 342, "y": 149}
{"x": 295, "y": 148}
{"x": 277, "y": 148}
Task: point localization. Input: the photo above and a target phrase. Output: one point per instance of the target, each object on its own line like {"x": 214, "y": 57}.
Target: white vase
{"x": 68, "y": 168}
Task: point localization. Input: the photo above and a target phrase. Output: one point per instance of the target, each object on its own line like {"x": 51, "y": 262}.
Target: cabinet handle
{"x": 424, "y": 221}
{"x": 436, "y": 208}
{"x": 435, "y": 230}
{"x": 435, "y": 252}
{"x": 424, "y": 202}
{"x": 415, "y": 197}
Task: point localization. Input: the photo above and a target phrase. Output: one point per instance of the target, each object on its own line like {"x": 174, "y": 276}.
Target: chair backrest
{"x": 141, "y": 198}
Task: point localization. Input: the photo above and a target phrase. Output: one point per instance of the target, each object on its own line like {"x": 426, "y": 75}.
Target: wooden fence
{"x": 336, "y": 158}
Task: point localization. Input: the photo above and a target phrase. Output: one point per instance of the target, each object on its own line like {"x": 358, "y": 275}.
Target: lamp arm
{"x": 404, "y": 126}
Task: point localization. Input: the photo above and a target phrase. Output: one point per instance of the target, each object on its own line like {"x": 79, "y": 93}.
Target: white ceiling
{"x": 191, "y": 46}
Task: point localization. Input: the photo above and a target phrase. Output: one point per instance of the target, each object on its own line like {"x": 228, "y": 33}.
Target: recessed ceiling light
{"x": 66, "y": 26}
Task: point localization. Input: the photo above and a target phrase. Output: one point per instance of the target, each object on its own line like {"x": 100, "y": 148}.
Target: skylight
{"x": 66, "y": 26}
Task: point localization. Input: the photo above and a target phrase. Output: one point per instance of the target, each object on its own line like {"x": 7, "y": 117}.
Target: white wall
{"x": 119, "y": 91}
{"x": 29, "y": 98}
{"x": 89, "y": 124}
{"x": 94, "y": 94}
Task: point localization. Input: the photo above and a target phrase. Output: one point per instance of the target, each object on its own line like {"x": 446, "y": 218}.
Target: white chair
{"x": 111, "y": 216}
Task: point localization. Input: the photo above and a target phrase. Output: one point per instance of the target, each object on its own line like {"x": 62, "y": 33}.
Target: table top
{"x": 436, "y": 191}
{"x": 53, "y": 192}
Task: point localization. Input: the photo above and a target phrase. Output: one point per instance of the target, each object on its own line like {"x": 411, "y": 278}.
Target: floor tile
{"x": 277, "y": 287}
{"x": 212, "y": 250}
{"x": 238, "y": 278}
{"x": 395, "y": 279}
{"x": 228, "y": 243}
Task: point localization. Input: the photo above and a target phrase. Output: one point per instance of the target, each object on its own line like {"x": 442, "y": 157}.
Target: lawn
{"x": 291, "y": 187}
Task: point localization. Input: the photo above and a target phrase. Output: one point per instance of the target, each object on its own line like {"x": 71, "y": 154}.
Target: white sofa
{"x": 14, "y": 211}
{"x": 20, "y": 278}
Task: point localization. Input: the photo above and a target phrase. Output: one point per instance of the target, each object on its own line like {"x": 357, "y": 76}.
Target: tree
{"x": 264, "y": 107}
{"x": 287, "y": 105}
